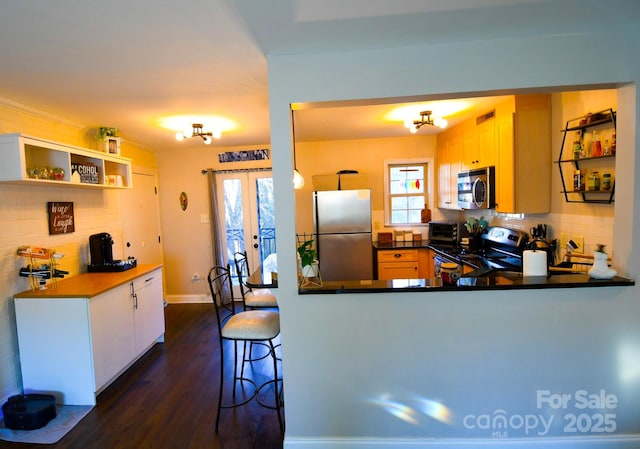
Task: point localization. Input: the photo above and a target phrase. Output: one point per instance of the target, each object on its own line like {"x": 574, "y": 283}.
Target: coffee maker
{"x": 101, "y": 250}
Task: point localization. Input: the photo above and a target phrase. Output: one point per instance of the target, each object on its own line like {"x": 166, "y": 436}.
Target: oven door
{"x": 476, "y": 188}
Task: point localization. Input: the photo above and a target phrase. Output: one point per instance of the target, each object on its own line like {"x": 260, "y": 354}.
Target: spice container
{"x": 606, "y": 181}
{"x": 578, "y": 180}
{"x": 593, "y": 184}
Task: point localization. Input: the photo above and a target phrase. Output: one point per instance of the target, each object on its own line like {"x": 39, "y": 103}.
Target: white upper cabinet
{"x": 38, "y": 161}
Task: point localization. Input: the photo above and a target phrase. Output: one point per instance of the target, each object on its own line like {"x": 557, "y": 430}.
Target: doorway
{"x": 141, "y": 219}
{"x": 249, "y": 221}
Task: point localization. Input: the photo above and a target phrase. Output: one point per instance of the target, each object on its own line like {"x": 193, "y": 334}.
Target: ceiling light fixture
{"x": 198, "y": 131}
{"x": 426, "y": 118}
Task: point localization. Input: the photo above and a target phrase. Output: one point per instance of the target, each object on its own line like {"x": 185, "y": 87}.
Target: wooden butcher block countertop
{"x": 87, "y": 285}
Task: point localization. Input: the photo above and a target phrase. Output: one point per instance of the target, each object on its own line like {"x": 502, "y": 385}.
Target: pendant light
{"x": 298, "y": 180}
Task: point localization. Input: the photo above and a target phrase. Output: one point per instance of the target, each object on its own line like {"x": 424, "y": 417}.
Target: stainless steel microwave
{"x": 477, "y": 188}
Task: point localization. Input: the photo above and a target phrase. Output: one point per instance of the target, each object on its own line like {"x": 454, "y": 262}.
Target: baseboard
{"x": 187, "y": 299}
{"x": 596, "y": 442}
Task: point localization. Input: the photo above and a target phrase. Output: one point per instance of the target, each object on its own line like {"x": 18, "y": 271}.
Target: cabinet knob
{"x": 397, "y": 255}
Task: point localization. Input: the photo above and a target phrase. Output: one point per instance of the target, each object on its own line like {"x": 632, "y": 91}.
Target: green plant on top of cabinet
{"x": 38, "y": 161}
{"x": 587, "y": 158}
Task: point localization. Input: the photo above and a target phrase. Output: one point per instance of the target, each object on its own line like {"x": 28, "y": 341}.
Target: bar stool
{"x": 259, "y": 298}
{"x": 252, "y": 298}
{"x": 249, "y": 326}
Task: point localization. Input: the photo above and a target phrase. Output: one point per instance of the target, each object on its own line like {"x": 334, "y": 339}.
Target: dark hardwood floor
{"x": 168, "y": 398}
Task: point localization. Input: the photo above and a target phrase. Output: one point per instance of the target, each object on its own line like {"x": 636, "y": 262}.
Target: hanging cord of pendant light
{"x": 298, "y": 180}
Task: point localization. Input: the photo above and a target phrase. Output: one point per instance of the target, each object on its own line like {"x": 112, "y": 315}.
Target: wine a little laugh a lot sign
{"x": 61, "y": 219}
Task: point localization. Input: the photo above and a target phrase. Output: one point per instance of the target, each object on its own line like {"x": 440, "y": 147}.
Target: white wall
{"x": 24, "y": 221}
{"x": 474, "y": 353}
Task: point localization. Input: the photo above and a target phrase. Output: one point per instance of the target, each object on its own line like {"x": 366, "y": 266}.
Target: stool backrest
{"x": 242, "y": 269}
{"x": 219, "y": 278}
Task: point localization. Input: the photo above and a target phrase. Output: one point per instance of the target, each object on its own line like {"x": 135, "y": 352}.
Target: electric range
{"x": 501, "y": 250}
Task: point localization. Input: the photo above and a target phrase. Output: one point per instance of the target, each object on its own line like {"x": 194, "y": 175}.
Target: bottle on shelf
{"x": 577, "y": 146}
{"x": 606, "y": 181}
{"x": 613, "y": 143}
{"x": 578, "y": 180}
{"x": 596, "y": 146}
{"x": 593, "y": 185}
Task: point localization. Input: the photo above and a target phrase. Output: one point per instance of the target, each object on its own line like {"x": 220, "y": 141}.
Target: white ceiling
{"x": 133, "y": 64}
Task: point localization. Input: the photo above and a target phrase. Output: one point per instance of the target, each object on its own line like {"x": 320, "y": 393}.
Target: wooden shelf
{"x": 38, "y": 161}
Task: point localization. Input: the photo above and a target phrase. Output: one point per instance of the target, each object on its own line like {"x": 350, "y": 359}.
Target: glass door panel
{"x": 249, "y": 222}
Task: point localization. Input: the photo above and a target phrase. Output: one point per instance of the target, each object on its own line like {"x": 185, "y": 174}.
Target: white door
{"x": 141, "y": 220}
{"x": 249, "y": 222}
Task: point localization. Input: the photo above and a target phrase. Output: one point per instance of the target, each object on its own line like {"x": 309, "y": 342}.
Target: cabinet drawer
{"x": 401, "y": 255}
{"x": 398, "y": 270}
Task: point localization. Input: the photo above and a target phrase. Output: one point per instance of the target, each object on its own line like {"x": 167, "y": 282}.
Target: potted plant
{"x": 600, "y": 268}
{"x": 104, "y": 131}
{"x": 108, "y": 140}
{"x": 308, "y": 261}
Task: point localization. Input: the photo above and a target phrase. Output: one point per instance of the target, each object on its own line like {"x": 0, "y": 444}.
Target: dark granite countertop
{"x": 501, "y": 280}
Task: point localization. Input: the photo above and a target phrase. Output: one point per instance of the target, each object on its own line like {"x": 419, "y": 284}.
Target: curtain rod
{"x": 236, "y": 170}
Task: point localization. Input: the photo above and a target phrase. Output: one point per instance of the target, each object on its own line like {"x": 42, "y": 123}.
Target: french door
{"x": 249, "y": 221}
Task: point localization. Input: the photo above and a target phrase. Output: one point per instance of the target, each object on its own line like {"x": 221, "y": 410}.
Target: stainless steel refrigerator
{"x": 342, "y": 220}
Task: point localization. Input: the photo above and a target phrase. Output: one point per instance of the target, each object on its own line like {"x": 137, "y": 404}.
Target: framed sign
{"x": 61, "y": 219}
{"x": 112, "y": 145}
{"x": 88, "y": 172}
{"x": 244, "y": 155}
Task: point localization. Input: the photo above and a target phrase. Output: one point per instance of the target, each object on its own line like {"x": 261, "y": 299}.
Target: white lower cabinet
{"x": 149, "y": 313}
{"x": 112, "y": 333}
{"x": 75, "y": 347}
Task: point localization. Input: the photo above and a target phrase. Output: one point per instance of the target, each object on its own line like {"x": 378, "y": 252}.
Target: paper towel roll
{"x": 534, "y": 263}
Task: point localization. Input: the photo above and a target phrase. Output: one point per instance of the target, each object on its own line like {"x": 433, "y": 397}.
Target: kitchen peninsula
{"x": 477, "y": 275}
{"x": 499, "y": 280}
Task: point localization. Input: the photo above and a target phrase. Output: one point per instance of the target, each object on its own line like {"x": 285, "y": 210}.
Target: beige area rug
{"x": 67, "y": 417}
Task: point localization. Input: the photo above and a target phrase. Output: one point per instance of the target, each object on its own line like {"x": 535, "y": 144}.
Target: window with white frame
{"x": 407, "y": 185}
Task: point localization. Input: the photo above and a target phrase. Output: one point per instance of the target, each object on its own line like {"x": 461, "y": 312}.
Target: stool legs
{"x": 277, "y": 392}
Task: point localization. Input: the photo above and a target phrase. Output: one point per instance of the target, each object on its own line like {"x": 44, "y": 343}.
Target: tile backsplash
{"x": 592, "y": 229}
